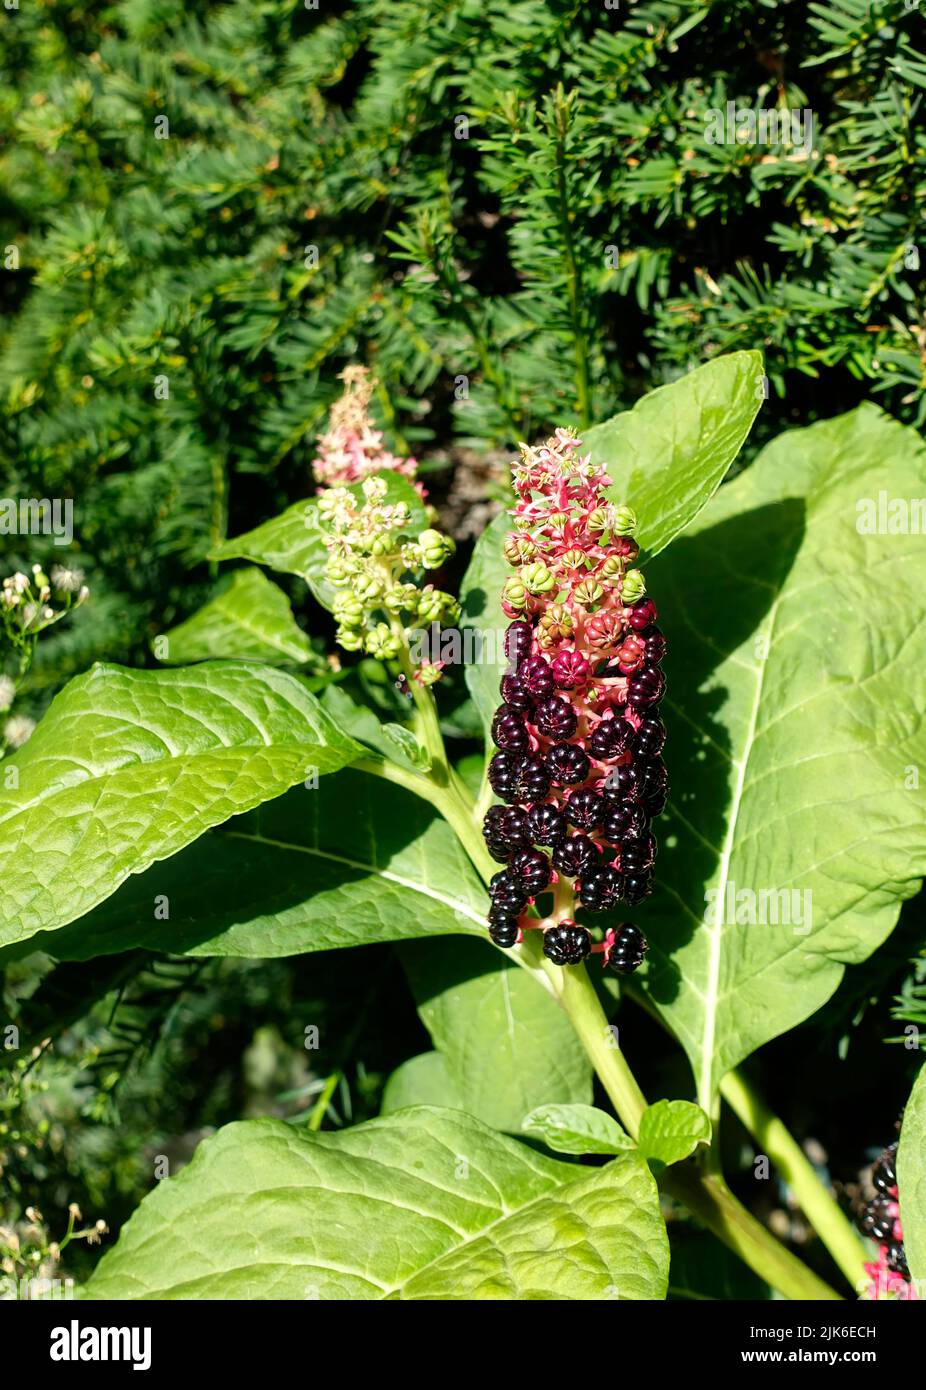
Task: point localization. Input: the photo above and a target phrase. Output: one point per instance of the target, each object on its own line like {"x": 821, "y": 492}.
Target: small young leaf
{"x": 250, "y": 620}
{"x": 911, "y": 1180}
{"x": 576, "y": 1129}
{"x": 670, "y": 1130}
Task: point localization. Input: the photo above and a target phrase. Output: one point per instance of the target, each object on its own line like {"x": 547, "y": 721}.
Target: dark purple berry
{"x": 642, "y": 614}
{"x": 647, "y": 687}
{"x": 896, "y": 1258}
{"x": 515, "y": 694}
{"x": 535, "y": 675}
{"x": 650, "y": 738}
{"x": 532, "y": 782}
{"x": 555, "y": 718}
{"x": 625, "y": 820}
{"x": 654, "y": 644}
{"x": 628, "y": 950}
{"x": 575, "y": 856}
{"x": 585, "y": 808}
{"x": 637, "y": 886}
{"x": 624, "y": 783}
{"x": 636, "y": 856}
{"x": 876, "y": 1220}
{"x": 503, "y": 774}
{"x": 505, "y": 830}
{"x": 518, "y": 639}
{"x": 601, "y": 888}
{"x": 655, "y": 786}
{"x": 506, "y": 890}
{"x": 566, "y": 944}
{"x": 504, "y": 933}
{"x": 531, "y": 867}
{"x": 610, "y": 738}
{"x": 509, "y": 730}
{"x": 546, "y": 825}
{"x": 567, "y": 764}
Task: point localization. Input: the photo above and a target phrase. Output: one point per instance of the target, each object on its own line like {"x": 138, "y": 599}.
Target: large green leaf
{"x": 422, "y": 1080}
{"x": 128, "y": 767}
{"x": 352, "y": 861}
{"x": 424, "y": 1204}
{"x": 911, "y": 1181}
{"x": 251, "y": 620}
{"x": 668, "y": 455}
{"x": 796, "y": 651}
{"x": 507, "y": 1044}
{"x": 293, "y": 543}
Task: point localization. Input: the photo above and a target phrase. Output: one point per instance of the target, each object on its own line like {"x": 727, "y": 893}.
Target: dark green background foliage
{"x": 490, "y": 257}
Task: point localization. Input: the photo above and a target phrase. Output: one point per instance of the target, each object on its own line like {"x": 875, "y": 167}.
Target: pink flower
{"x": 350, "y": 448}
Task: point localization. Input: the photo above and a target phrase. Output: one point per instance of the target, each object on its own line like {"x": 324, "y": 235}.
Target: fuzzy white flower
{"x": 18, "y": 730}
{"x": 66, "y": 581}
{"x": 7, "y": 692}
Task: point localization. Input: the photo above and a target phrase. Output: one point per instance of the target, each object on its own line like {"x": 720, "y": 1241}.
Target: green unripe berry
{"x": 633, "y": 586}
{"x": 537, "y": 578}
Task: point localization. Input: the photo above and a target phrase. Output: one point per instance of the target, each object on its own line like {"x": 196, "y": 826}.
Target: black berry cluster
{"x": 580, "y": 773}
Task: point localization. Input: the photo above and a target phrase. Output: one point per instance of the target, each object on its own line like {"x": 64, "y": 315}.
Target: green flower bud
{"x": 611, "y": 567}
{"x": 435, "y": 548}
{"x": 597, "y": 520}
{"x": 400, "y": 596}
{"x": 537, "y": 578}
{"x": 633, "y": 587}
{"x": 339, "y": 571}
{"x": 514, "y": 592}
{"x": 588, "y": 593}
{"x": 623, "y": 521}
{"x": 351, "y": 639}
{"x": 574, "y": 560}
{"x": 519, "y": 549}
{"x": 368, "y": 588}
{"x": 348, "y": 610}
{"x": 556, "y": 622}
{"x": 382, "y": 642}
{"x": 428, "y": 674}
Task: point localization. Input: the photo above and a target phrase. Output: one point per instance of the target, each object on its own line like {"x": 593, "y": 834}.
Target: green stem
{"x": 818, "y": 1205}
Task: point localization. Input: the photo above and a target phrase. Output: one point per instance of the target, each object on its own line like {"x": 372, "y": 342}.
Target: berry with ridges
{"x": 505, "y": 829}
{"x": 536, "y": 677}
{"x": 509, "y": 730}
{"x": 532, "y": 781}
{"x": 515, "y": 694}
{"x": 531, "y": 868}
{"x": 575, "y": 856}
{"x": 585, "y": 808}
{"x": 601, "y": 888}
{"x": 518, "y": 638}
{"x": 624, "y": 783}
{"x": 555, "y": 718}
{"x": 637, "y": 855}
{"x": 647, "y": 687}
{"x": 503, "y": 772}
{"x": 637, "y": 886}
{"x": 567, "y": 764}
{"x": 624, "y": 820}
{"x": 566, "y": 944}
{"x": 650, "y": 738}
{"x": 570, "y": 669}
{"x": 628, "y": 948}
{"x": 642, "y": 614}
{"x": 610, "y": 738}
{"x": 546, "y": 825}
{"x": 655, "y": 644}
{"x": 505, "y": 934}
{"x": 655, "y": 786}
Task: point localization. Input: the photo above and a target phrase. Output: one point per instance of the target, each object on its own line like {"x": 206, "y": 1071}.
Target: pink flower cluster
{"x": 350, "y": 448}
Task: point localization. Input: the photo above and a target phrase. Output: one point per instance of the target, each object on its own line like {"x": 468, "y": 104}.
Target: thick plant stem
{"x": 705, "y": 1195}
{"x": 774, "y": 1138}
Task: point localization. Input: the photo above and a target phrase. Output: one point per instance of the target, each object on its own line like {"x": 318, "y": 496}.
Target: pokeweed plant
{"x": 246, "y": 805}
